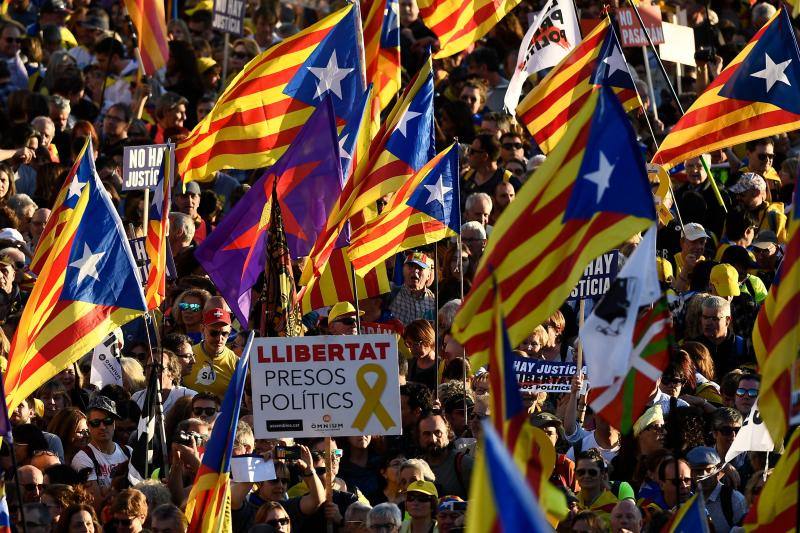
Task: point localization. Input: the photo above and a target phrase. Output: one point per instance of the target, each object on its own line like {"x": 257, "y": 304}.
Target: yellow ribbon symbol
{"x": 372, "y": 397}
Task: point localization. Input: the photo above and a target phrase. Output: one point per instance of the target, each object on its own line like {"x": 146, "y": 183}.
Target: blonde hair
{"x": 132, "y": 374}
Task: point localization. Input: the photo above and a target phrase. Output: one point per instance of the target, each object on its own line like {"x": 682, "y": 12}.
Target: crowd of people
{"x": 68, "y": 72}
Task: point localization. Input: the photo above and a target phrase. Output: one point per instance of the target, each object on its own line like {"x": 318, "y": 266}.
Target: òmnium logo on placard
{"x": 326, "y": 424}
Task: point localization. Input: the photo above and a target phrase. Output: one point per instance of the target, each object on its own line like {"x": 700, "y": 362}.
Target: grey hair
{"x": 19, "y": 202}
{"x": 717, "y": 303}
{"x": 473, "y": 198}
{"x": 183, "y": 222}
{"x": 155, "y": 492}
{"x": 42, "y": 121}
{"x": 422, "y": 466}
{"x": 357, "y": 512}
{"x": 474, "y": 225}
{"x": 384, "y": 512}
{"x": 447, "y": 313}
{"x": 60, "y": 103}
{"x": 763, "y": 11}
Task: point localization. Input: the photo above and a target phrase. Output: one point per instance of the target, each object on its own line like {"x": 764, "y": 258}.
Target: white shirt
{"x": 588, "y": 441}
{"x": 108, "y": 464}
{"x": 169, "y": 401}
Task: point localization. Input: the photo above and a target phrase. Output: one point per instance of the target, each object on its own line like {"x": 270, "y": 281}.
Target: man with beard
{"x": 452, "y": 469}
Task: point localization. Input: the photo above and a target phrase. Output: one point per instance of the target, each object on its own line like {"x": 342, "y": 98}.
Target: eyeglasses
{"x": 417, "y": 497}
{"x": 208, "y": 411}
{"x": 673, "y": 380}
{"x": 218, "y": 333}
{"x": 278, "y": 522}
{"x": 654, "y": 427}
{"x": 185, "y": 306}
{"x": 281, "y": 480}
{"x": 187, "y": 355}
{"x": 476, "y": 150}
{"x": 31, "y": 487}
{"x": 14, "y": 40}
{"x": 591, "y": 472}
{"x": 512, "y": 146}
{"x": 764, "y": 157}
{"x": 240, "y": 55}
{"x": 95, "y": 422}
{"x": 680, "y": 481}
{"x": 347, "y": 321}
{"x": 752, "y": 393}
{"x": 383, "y": 527}
{"x": 728, "y": 430}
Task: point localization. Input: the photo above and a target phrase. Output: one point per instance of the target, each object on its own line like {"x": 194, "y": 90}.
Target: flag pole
{"x": 579, "y": 361}
{"x": 354, "y": 279}
{"x": 225, "y": 54}
{"x": 674, "y": 97}
{"x": 436, "y": 318}
{"x": 9, "y": 439}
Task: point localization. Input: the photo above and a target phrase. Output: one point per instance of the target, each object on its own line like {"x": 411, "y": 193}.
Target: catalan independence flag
{"x": 776, "y": 507}
{"x": 156, "y": 242}
{"x": 459, "y": 23}
{"x": 5, "y": 515}
{"x": 425, "y": 210}
{"x": 87, "y": 287}
{"x": 382, "y": 48}
{"x": 401, "y": 147}
{"x": 151, "y": 27}
{"x": 590, "y": 195}
{"x": 208, "y": 507}
{"x": 598, "y": 60}
{"x": 776, "y": 338}
{"x": 267, "y": 103}
{"x": 758, "y": 94}
{"x": 690, "y": 518}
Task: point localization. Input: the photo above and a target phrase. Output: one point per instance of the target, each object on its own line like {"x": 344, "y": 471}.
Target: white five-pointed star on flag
{"x": 75, "y": 187}
{"x": 601, "y": 177}
{"x": 330, "y": 77}
{"x": 407, "y": 117}
{"x": 615, "y": 62}
{"x": 342, "y": 152}
{"x": 87, "y": 265}
{"x": 437, "y": 191}
{"x": 773, "y": 72}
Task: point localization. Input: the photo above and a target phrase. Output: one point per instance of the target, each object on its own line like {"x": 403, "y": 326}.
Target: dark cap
{"x": 457, "y": 402}
{"x": 191, "y": 188}
{"x": 95, "y": 22}
{"x": 103, "y": 403}
{"x": 738, "y": 255}
{"x": 703, "y": 456}
{"x": 54, "y": 6}
{"x": 545, "y": 419}
{"x": 30, "y": 435}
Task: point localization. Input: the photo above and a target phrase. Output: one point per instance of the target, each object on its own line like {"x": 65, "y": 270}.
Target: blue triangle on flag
{"x": 437, "y": 195}
{"x": 611, "y": 68}
{"x": 412, "y": 141}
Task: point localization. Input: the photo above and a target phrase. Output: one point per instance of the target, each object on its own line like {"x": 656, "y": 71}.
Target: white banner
{"x": 325, "y": 386}
{"x": 551, "y": 36}
{"x": 106, "y": 368}
{"x": 753, "y": 437}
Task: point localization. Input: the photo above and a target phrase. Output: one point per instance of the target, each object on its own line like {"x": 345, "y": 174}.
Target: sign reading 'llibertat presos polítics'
{"x": 325, "y": 386}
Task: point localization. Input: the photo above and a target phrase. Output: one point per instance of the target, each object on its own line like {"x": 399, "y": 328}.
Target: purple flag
{"x": 309, "y": 182}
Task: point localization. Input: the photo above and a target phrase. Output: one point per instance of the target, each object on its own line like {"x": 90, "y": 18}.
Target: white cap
{"x": 748, "y": 182}
{"x": 10, "y": 234}
{"x": 693, "y": 231}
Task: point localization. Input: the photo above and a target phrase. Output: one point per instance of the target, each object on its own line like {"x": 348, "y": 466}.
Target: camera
{"x": 707, "y": 54}
{"x": 188, "y": 437}
{"x": 287, "y": 453}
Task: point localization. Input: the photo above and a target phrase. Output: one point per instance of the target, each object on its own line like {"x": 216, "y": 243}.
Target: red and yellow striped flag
{"x": 336, "y": 284}
{"x": 776, "y": 338}
{"x": 547, "y": 110}
{"x": 265, "y": 105}
{"x": 758, "y": 94}
{"x": 775, "y": 510}
{"x": 382, "y": 48}
{"x": 151, "y": 26}
{"x": 459, "y": 23}
{"x": 590, "y": 195}
{"x": 156, "y": 240}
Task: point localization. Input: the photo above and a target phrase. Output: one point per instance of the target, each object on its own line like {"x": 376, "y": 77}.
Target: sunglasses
{"x": 347, "y": 321}
{"x": 512, "y": 146}
{"x": 95, "y": 422}
{"x": 728, "y": 430}
{"x": 218, "y": 333}
{"x": 591, "y": 472}
{"x": 185, "y": 306}
{"x": 187, "y": 355}
{"x": 673, "y": 380}
{"x": 278, "y": 522}
{"x": 208, "y": 411}
{"x": 764, "y": 157}
{"x": 417, "y": 497}
{"x": 752, "y": 393}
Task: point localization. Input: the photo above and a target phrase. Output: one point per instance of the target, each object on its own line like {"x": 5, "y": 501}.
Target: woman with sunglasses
{"x": 421, "y": 500}
{"x": 187, "y": 311}
{"x": 70, "y": 426}
{"x": 274, "y": 515}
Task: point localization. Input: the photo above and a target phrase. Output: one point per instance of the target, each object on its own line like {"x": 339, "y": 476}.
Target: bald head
{"x": 626, "y": 517}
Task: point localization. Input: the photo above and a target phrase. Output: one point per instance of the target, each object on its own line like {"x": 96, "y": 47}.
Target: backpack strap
{"x": 90, "y": 453}
{"x": 726, "y": 499}
{"x": 459, "y": 470}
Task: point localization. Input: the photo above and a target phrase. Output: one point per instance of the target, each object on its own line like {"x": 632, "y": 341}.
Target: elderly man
{"x": 726, "y": 507}
{"x": 342, "y": 319}
{"x": 697, "y": 181}
{"x": 728, "y": 350}
{"x": 478, "y": 207}
{"x": 693, "y": 244}
{"x": 31, "y": 480}
{"x": 751, "y": 196}
{"x": 473, "y": 234}
{"x": 626, "y": 517}
{"x": 37, "y": 224}
{"x": 11, "y": 300}
{"x": 414, "y": 300}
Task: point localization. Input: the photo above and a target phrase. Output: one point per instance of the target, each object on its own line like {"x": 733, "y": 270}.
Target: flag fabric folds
{"x": 87, "y": 287}
{"x": 309, "y": 180}
{"x": 208, "y": 505}
{"x": 690, "y": 518}
{"x": 425, "y": 210}
{"x": 776, "y": 337}
{"x": 459, "y": 23}
{"x": 623, "y": 401}
{"x": 607, "y": 335}
{"x": 401, "y": 147}
{"x": 151, "y": 28}
{"x": 382, "y": 48}
{"x": 282, "y": 315}
{"x": 143, "y": 458}
{"x": 555, "y": 102}
{"x": 776, "y": 507}
{"x": 5, "y": 514}
{"x": 156, "y": 241}
{"x": 590, "y": 195}
{"x": 758, "y": 94}
{"x": 266, "y": 104}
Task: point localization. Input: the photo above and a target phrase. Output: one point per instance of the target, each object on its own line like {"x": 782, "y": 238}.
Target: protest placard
{"x": 325, "y": 386}
{"x": 141, "y": 165}
{"x": 537, "y": 375}
{"x": 228, "y": 16}
{"x": 106, "y": 367}
{"x": 678, "y": 45}
{"x": 376, "y": 327}
{"x": 140, "y": 256}
{"x": 597, "y": 277}
{"x": 631, "y": 33}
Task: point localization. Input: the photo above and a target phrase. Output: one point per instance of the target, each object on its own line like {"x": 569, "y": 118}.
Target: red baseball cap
{"x": 217, "y": 315}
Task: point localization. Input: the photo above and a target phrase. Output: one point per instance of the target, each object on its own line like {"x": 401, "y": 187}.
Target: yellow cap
{"x": 342, "y": 309}
{"x": 725, "y": 280}
{"x": 652, "y": 415}
{"x": 205, "y": 63}
{"x": 425, "y": 487}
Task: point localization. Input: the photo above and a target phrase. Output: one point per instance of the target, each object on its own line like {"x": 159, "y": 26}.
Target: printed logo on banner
{"x": 326, "y": 386}
{"x": 228, "y": 16}
{"x": 597, "y": 277}
{"x": 141, "y": 165}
